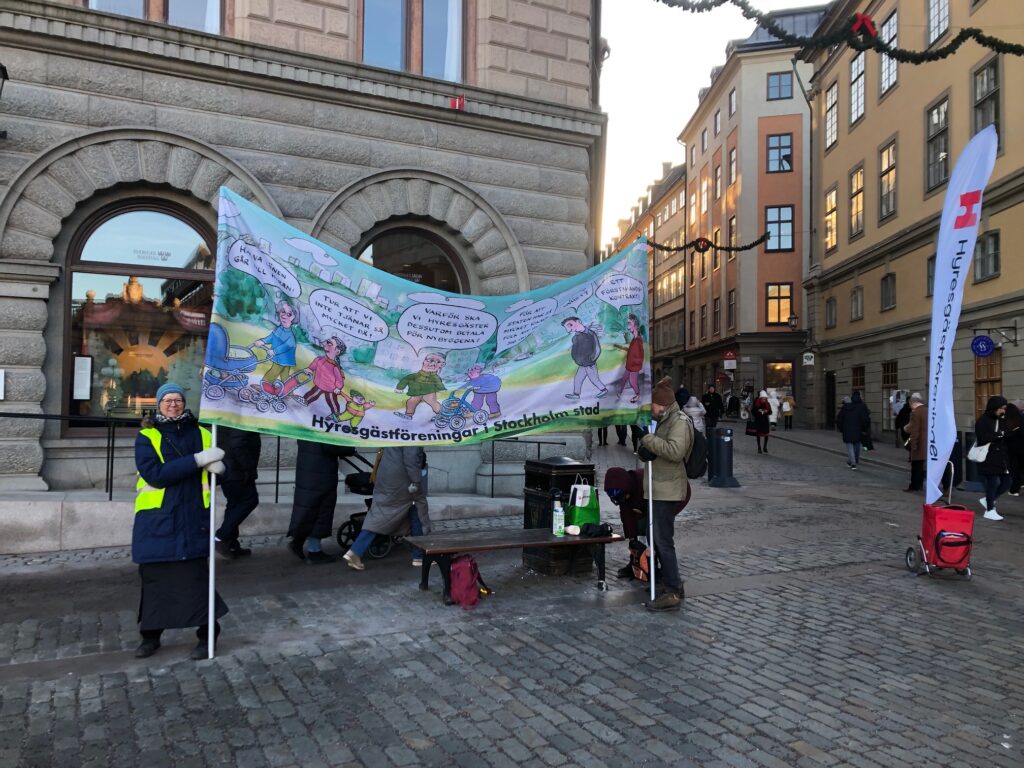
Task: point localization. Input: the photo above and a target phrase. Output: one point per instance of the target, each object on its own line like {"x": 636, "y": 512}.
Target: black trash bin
{"x": 542, "y": 477}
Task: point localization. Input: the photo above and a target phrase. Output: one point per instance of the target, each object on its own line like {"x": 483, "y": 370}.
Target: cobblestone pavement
{"x": 803, "y": 642}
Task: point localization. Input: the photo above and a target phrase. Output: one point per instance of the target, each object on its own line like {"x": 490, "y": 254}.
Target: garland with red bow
{"x": 860, "y": 34}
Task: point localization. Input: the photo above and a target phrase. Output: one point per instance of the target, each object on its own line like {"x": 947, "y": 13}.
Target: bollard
{"x": 713, "y": 440}
{"x": 723, "y": 460}
{"x": 971, "y": 482}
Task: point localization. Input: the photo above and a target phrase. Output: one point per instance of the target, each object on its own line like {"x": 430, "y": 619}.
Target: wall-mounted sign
{"x": 808, "y": 358}
{"x": 982, "y": 346}
{"x": 729, "y": 360}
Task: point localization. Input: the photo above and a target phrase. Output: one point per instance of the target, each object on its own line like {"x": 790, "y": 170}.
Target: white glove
{"x": 216, "y": 467}
{"x": 210, "y": 455}
{"x": 413, "y": 488}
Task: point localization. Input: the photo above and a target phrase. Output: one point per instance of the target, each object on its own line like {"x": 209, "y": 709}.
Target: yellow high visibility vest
{"x": 148, "y": 497}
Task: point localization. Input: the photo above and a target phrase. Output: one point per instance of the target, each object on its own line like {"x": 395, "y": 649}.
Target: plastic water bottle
{"x": 558, "y": 519}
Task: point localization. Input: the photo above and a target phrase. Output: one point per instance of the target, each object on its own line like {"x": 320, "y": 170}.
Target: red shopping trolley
{"x": 947, "y": 534}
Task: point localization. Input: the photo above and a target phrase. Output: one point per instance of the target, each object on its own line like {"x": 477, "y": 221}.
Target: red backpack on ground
{"x": 467, "y": 585}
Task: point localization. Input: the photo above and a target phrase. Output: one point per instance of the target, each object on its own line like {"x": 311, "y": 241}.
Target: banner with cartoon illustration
{"x": 308, "y": 342}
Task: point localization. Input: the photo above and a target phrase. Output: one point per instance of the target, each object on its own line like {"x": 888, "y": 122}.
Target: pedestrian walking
{"x": 668, "y": 446}
{"x": 916, "y": 430}
{"x": 242, "y": 459}
{"x": 788, "y": 409}
{"x": 696, "y": 411}
{"x": 399, "y": 502}
{"x": 760, "y": 413}
{"x": 635, "y": 433}
{"x": 853, "y": 420}
{"x": 776, "y": 408}
{"x": 620, "y": 433}
{"x": 991, "y": 430}
{"x": 602, "y": 436}
{"x": 316, "y": 495}
{"x": 712, "y": 402}
{"x": 1015, "y": 445}
{"x": 174, "y": 457}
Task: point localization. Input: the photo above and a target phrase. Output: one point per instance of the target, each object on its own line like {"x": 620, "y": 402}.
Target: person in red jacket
{"x": 634, "y": 358}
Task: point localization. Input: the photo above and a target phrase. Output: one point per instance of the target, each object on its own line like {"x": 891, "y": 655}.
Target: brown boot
{"x": 669, "y": 600}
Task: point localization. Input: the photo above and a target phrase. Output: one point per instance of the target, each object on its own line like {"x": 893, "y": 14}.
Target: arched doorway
{"x": 415, "y": 254}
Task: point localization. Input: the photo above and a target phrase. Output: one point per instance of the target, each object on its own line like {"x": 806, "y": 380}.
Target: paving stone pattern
{"x": 803, "y": 642}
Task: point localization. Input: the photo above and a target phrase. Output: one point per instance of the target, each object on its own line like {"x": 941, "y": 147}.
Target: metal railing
{"x": 538, "y": 443}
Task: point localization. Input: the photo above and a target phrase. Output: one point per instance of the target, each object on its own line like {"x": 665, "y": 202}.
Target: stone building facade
{"x": 496, "y": 168}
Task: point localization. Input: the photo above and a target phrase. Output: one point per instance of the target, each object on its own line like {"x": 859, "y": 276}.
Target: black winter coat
{"x": 854, "y": 420}
{"x": 989, "y": 431}
{"x": 241, "y": 454}
{"x": 316, "y": 477}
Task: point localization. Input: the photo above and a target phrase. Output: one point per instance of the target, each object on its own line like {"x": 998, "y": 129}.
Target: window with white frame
{"x": 887, "y": 181}
{"x": 732, "y": 102}
{"x": 780, "y": 153}
{"x": 831, "y": 115}
{"x": 937, "y": 144}
{"x": 693, "y": 210}
{"x": 857, "y": 201}
{"x": 674, "y": 208}
{"x": 888, "y": 65}
{"x": 704, "y": 140}
{"x": 778, "y": 222}
{"x": 718, "y": 181}
{"x": 732, "y": 166}
{"x": 857, "y": 303}
{"x": 938, "y": 19}
{"x": 831, "y": 218}
{"x": 733, "y": 235}
{"x": 986, "y": 96}
{"x": 730, "y": 310}
{"x": 986, "y": 256}
{"x": 888, "y": 292}
{"x": 716, "y": 317}
{"x": 693, "y": 156}
{"x": 703, "y": 321}
{"x": 718, "y": 121}
{"x": 857, "y": 87}
{"x": 704, "y": 195}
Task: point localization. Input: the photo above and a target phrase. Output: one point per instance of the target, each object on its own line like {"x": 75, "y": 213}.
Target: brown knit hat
{"x": 664, "y": 393}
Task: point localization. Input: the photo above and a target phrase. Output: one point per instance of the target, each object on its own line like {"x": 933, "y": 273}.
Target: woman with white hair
{"x": 916, "y": 429}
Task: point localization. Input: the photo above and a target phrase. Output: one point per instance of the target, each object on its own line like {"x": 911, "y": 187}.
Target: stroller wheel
{"x": 380, "y": 547}
{"x": 245, "y": 394}
{"x": 479, "y": 417}
{"x": 441, "y": 422}
{"x": 458, "y": 422}
{"x": 262, "y": 405}
{"x": 913, "y": 559}
{"x": 279, "y": 406}
{"x": 347, "y": 533}
{"x": 215, "y": 391}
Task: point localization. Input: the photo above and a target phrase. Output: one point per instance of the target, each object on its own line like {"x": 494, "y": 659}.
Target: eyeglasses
{"x": 173, "y": 401}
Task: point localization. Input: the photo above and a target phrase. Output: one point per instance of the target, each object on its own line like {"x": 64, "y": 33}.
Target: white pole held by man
{"x": 211, "y": 618}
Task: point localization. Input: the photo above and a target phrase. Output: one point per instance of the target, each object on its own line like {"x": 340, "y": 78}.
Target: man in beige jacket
{"x": 668, "y": 447}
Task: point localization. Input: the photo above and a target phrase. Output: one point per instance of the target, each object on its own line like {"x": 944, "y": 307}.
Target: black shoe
{"x": 200, "y": 652}
{"x": 625, "y": 572}
{"x": 147, "y": 648}
{"x": 295, "y": 545}
{"x": 232, "y": 549}
{"x": 319, "y": 558}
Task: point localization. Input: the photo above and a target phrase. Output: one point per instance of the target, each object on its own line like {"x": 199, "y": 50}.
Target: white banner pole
{"x": 211, "y": 618}
{"x": 650, "y": 525}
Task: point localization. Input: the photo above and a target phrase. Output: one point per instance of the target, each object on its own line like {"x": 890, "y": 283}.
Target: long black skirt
{"x": 175, "y": 594}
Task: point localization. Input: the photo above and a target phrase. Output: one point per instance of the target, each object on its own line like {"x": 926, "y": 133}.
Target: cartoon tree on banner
{"x": 241, "y": 297}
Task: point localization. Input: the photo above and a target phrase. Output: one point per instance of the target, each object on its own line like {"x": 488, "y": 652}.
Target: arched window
{"x": 417, "y": 255}
{"x": 140, "y": 290}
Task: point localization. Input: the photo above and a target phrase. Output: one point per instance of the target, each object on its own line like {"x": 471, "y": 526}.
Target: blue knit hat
{"x": 169, "y": 388}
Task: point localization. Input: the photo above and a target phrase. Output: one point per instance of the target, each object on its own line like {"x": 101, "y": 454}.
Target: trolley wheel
{"x": 262, "y": 405}
{"x": 215, "y": 392}
{"x": 913, "y": 559}
{"x": 480, "y": 418}
{"x": 279, "y": 406}
{"x": 965, "y": 572}
{"x": 245, "y": 394}
{"x": 347, "y": 533}
{"x": 458, "y": 422}
{"x": 381, "y": 547}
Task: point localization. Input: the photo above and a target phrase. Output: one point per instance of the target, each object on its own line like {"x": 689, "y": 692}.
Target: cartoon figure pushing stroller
{"x": 455, "y": 411}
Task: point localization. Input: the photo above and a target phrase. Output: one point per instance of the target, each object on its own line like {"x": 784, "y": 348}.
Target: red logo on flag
{"x": 967, "y": 201}
{"x": 459, "y": 103}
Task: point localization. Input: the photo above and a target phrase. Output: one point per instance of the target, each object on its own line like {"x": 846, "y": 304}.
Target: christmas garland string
{"x": 703, "y": 245}
{"x": 860, "y": 34}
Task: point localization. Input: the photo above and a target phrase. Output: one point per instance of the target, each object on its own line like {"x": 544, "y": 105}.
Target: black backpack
{"x": 697, "y": 461}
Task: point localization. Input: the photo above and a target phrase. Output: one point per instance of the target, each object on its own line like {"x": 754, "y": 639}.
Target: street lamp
{"x": 794, "y": 322}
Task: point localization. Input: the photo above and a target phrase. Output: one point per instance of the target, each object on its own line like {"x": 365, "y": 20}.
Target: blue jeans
{"x": 853, "y": 454}
{"x": 365, "y": 537}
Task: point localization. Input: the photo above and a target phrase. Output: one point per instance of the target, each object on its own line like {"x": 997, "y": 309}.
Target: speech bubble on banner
{"x": 576, "y": 296}
{"x": 421, "y": 297}
{"x": 621, "y": 290}
{"x": 445, "y": 326}
{"x": 332, "y": 310}
{"x": 523, "y": 321}
{"x": 253, "y": 261}
{"x": 320, "y": 256}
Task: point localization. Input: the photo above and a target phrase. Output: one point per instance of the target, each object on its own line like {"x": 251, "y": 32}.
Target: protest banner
{"x": 310, "y": 343}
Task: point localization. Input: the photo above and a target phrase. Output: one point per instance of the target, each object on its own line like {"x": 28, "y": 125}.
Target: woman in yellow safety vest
{"x": 170, "y": 537}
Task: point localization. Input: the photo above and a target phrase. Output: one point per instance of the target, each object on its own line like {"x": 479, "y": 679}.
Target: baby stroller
{"x": 946, "y": 539}
{"x": 227, "y": 365}
{"x": 455, "y": 410}
{"x": 359, "y": 483}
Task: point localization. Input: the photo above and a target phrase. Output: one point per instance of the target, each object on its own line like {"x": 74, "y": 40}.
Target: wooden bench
{"x": 441, "y": 547}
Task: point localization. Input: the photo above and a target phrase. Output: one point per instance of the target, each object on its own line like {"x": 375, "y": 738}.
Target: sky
{"x": 660, "y": 58}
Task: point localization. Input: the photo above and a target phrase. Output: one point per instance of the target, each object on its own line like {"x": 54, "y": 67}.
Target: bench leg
{"x": 599, "y": 557}
{"x": 425, "y": 572}
{"x": 444, "y": 562}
